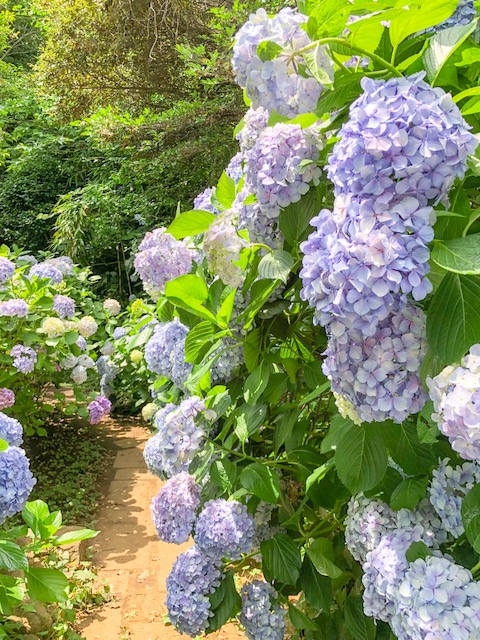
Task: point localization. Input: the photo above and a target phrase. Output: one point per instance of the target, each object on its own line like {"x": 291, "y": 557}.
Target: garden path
{"x": 128, "y": 553}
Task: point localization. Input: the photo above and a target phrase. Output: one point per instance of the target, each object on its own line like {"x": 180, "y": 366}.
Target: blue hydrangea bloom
{"x": 14, "y": 308}
{"x": 367, "y": 521}
{"x": 193, "y": 578}
{"x": 64, "y": 306}
{"x": 234, "y": 168}
{"x": 261, "y": 615}
{"x": 261, "y": 221}
{"x": 16, "y": 481}
{"x": 119, "y": 332}
{"x": 10, "y": 430}
{"x": 165, "y": 352}
{"x": 174, "y": 508}
{"x": 254, "y": 122}
{"x": 24, "y": 358}
{"x": 203, "y": 201}
{"x": 7, "y": 269}
{"x": 229, "y": 362}
{"x": 46, "y": 270}
{"x": 225, "y": 529}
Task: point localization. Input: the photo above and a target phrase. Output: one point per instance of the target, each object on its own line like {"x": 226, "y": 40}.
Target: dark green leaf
{"x": 409, "y": 493}
{"x": 299, "y": 619}
{"x": 360, "y": 627}
{"x": 294, "y": 220}
{"x": 317, "y": 588}
{"x": 225, "y": 603}
{"x": 256, "y": 383}
{"x": 321, "y": 554}
{"x": 281, "y": 559}
{"x": 268, "y": 50}
{"x": 197, "y": 339}
{"x": 224, "y": 473}
{"x": 418, "y": 550}
{"x": 261, "y": 481}
{"x": 251, "y": 349}
{"x": 407, "y": 451}
{"x": 347, "y": 88}
{"x": 12, "y": 556}
{"x": 11, "y": 594}
{"x": 471, "y": 517}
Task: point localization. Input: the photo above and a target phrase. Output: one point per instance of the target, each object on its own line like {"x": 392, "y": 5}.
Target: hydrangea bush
{"x": 309, "y": 359}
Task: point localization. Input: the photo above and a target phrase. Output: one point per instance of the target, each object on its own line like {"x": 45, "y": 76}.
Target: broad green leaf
{"x": 35, "y": 515}
{"x": 76, "y": 536}
{"x": 284, "y": 427}
{"x": 251, "y": 349}
{"x": 347, "y": 88}
{"x": 319, "y": 474}
{"x": 11, "y": 594}
{"x": 359, "y": 626}
{"x": 224, "y": 473}
{"x": 248, "y": 419}
{"x": 261, "y": 481}
{"x": 460, "y": 255}
{"x": 317, "y": 587}
{"x": 225, "y": 192}
{"x": 442, "y": 45}
{"x": 471, "y": 516}
{"x": 361, "y": 457}
{"x": 407, "y": 451}
{"x": 314, "y": 376}
{"x": 314, "y": 59}
{"x": 225, "y": 603}
{"x": 256, "y": 383}
{"x": 321, "y": 554}
{"x": 281, "y": 559}
{"x": 224, "y": 314}
{"x": 417, "y": 16}
{"x": 268, "y": 50}
{"x": 299, "y": 619}
{"x": 46, "y": 585}
{"x": 471, "y": 106}
{"x": 276, "y": 265}
{"x": 472, "y": 91}
{"x": 3, "y": 445}
{"x": 197, "y": 339}
{"x": 469, "y": 56}
{"x": 189, "y": 292}
{"x": 12, "y": 556}
{"x": 71, "y": 337}
{"x": 418, "y": 550}
{"x": 453, "y": 318}
{"x": 190, "y": 223}
{"x": 409, "y": 493}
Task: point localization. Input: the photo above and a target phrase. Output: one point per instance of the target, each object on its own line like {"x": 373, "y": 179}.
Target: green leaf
{"x": 261, "y": 481}
{"x": 469, "y": 56}
{"x": 314, "y": 376}
{"x": 442, "y": 45}
{"x": 347, "y": 88}
{"x": 251, "y": 349}
{"x": 11, "y": 594}
{"x": 224, "y": 473}
{"x": 361, "y": 456}
{"x": 322, "y": 556}
{"x": 189, "y": 292}
{"x": 268, "y": 50}
{"x": 3, "y": 445}
{"x": 281, "y": 559}
{"x": 359, "y": 626}
{"x": 407, "y": 451}
{"x": 471, "y": 517}
{"x": 409, "y": 493}
{"x": 12, "y": 556}
{"x": 460, "y": 255}
{"x": 299, "y": 619}
{"x": 418, "y": 550}
{"x": 225, "y": 603}
{"x": 71, "y": 337}
{"x": 418, "y": 16}
{"x": 284, "y": 428}
{"x": 35, "y": 515}
{"x": 225, "y": 192}
{"x": 224, "y": 314}
{"x": 190, "y": 223}
{"x": 76, "y": 536}
{"x": 314, "y": 61}
{"x": 453, "y": 319}
{"x": 248, "y": 419}
{"x": 276, "y": 265}
{"x": 317, "y": 588}
{"x": 46, "y": 585}
{"x": 256, "y": 383}
{"x": 197, "y": 339}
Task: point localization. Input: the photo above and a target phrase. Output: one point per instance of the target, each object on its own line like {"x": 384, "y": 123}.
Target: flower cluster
{"x": 64, "y": 306}
{"x": 259, "y": 221}
{"x": 225, "y": 529}
{"x": 63, "y": 263}
{"x": 14, "y": 308}
{"x": 203, "y": 202}
{"x": 456, "y": 400}
{"x": 234, "y": 168}
{"x": 165, "y": 352}
{"x": 53, "y": 327}
{"x": 10, "y": 430}
{"x": 119, "y": 332}
{"x": 229, "y": 362}
{"x": 98, "y": 409}
{"x": 7, "y": 269}
{"x": 261, "y": 615}
{"x": 276, "y": 84}
{"x": 178, "y": 438}
{"x": 46, "y": 270}
{"x": 148, "y": 411}
{"x": 254, "y": 122}
{"x": 222, "y": 246}
{"x": 16, "y": 481}
{"x": 24, "y": 358}
{"x": 7, "y": 398}
{"x": 107, "y": 371}
{"x": 112, "y": 306}
{"x": 87, "y": 326}
{"x": 161, "y": 258}
{"x": 174, "y": 508}
{"x": 193, "y": 578}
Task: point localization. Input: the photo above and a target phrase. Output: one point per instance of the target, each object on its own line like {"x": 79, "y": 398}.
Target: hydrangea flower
{"x": 64, "y": 306}
{"x": 112, "y": 306}
{"x": 53, "y": 327}
{"x": 165, "y": 352}
{"x": 367, "y": 521}
{"x": 193, "y": 578}
{"x": 7, "y": 269}
{"x": 172, "y": 448}
{"x": 222, "y": 246}
{"x": 7, "y": 398}
{"x": 63, "y": 263}
{"x": 437, "y": 599}
{"x": 46, "y": 270}
{"x": 136, "y": 356}
{"x": 69, "y": 361}
{"x": 14, "y": 308}
{"x": 261, "y": 615}
{"x": 448, "y": 487}
{"x": 148, "y": 411}
{"x": 261, "y": 221}
{"x": 225, "y": 529}
{"x": 234, "y": 168}
{"x": 161, "y": 258}
{"x": 79, "y": 374}
{"x": 276, "y": 84}
{"x": 455, "y": 393}
{"x": 107, "y": 348}
{"x": 174, "y": 508}
{"x": 24, "y": 358}
{"x": 203, "y": 202}
{"x": 87, "y": 326}
{"x": 10, "y": 430}
{"x": 254, "y": 122}
{"x": 119, "y": 332}
{"x": 81, "y": 343}
{"x": 98, "y": 409}
{"x": 229, "y": 362}
{"x": 16, "y": 481}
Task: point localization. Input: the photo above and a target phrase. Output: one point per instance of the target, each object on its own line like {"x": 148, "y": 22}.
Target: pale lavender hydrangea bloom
{"x": 63, "y": 263}
{"x": 81, "y": 343}
{"x": 455, "y": 393}
{"x": 367, "y": 521}
{"x": 10, "y": 430}
{"x": 14, "y": 308}
{"x": 193, "y": 578}
{"x": 261, "y": 615}
{"x": 7, "y": 269}
{"x": 79, "y": 374}
{"x": 261, "y": 221}
{"x": 64, "y": 306}
{"x": 234, "y": 169}
{"x": 276, "y": 84}
{"x": 222, "y": 246}
{"x": 161, "y": 258}
{"x": 437, "y": 599}
{"x": 424, "y": 515}
{"x": 379, "y": 374}
{"x": 403, "y": 137}
{"x": 98, "y": 409}
{"x": 174, "y": 508}
{"x": 7, "y": 398}
{"x": 46, "y": 270}
{"x": 203, "y": 201}
{"x": 179, "y": 437}
{"x": 165, "y": 352}
{"x": 254, "y": 122}
{"x": 225, "y": 529}
{"x": 16, "y": 481}
{"x": 119, "y": 332}
{"x": 24, "y": 358}
{"x": 107, "y": 348}
{"x": 448, "y": 486}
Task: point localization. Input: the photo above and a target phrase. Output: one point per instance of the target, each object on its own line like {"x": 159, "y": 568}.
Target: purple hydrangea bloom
{"x": 119, "y": 332}
{"x": 463, "y": 15}
{"x": 455, "y": 393}
{"x": 10, "y": 430}
{"x": 437, "y": 599}
{"x": 276, "y": 84}
{"x": 16, "y": 481}
{"x": 98, "y": 409}
{"x": 64, "y": 306}
{"x": 165, "y": 352}
{"x": 193, "y": 578}
{"x": 203, "y": 202}
{"x": 161, "y": 258}
{"x": 254, "y": 122}
{"x": 367, "y": 521}
{"x": 261, "y": 615}
{"x": 425, "y": 516}
{"x": 7, "y": 398}
{"x": 448, "y": 487}
{"x": 174, "y": 508}
{"x": 261, "y": 221}
{"x": 46, "y": 270}
{"x": 7, "y": 269}
{"x": 403, "y": 137}
{"x": 225, "y": 529}
{"x": 234, "y": 169}
{"x": 81, "y": 343}
{"x": 24, "y": 358}
{"x": 173, "y": 447}
{"x": 379, "y": 374}
{"x": 14, "y": 308}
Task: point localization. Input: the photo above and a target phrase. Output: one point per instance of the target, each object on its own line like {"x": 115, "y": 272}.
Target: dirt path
{"x": 129, "y": 554}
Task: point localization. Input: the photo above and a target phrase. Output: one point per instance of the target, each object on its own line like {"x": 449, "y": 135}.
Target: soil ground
{"x": 128, "y": 553}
